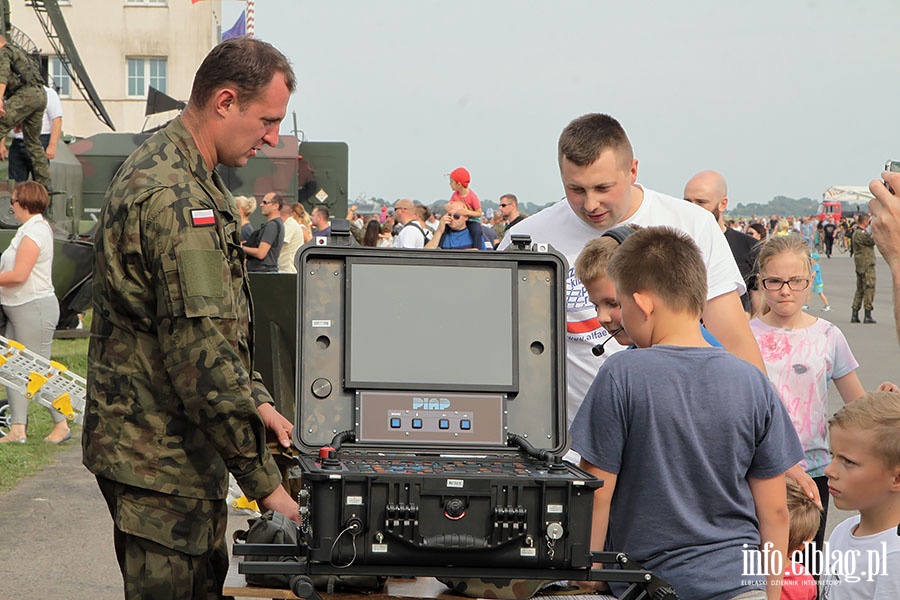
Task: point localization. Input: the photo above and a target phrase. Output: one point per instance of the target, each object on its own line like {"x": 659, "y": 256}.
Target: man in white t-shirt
{"x": 20, "y": 167}
{"x": 412, "y": 234}
{"x": 599, "y": 174}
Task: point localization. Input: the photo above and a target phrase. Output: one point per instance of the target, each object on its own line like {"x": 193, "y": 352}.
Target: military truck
{"x": 309, "y": 172}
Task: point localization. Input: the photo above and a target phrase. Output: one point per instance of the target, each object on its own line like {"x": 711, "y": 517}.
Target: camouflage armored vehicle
{"x": 308, "y": 172}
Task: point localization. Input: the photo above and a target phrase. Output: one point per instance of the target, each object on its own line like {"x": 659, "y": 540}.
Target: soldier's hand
{"x": 281, "y": 501}
{"x": 2, "y": 109}
{"x": 277, "y": 424}
{"x": 4, "y": 153}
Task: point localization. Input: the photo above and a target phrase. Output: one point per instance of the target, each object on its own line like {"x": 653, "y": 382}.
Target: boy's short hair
{"x": 665, "y": 261}
{"x": 878, "y": 414}
{"x": 805, "y": 516}
{"x": 584, "y": 140}
{"x": 595, "y": 256}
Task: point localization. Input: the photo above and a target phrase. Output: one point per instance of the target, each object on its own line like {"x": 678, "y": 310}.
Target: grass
{"x": 18, "y": 461}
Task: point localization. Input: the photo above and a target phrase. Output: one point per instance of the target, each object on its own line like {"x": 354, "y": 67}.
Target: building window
{"x": 58, "y": 77}
{"x": 144, "y": 72}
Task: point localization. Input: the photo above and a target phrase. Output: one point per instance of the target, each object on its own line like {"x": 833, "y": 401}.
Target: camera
{"x": 894, "y": 167}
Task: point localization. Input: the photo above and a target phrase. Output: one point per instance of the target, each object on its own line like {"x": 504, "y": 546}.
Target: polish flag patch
{"x": 203, "y": 217}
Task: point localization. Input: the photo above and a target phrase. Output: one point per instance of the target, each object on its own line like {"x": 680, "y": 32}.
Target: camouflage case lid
{"x": 430, "y": 350}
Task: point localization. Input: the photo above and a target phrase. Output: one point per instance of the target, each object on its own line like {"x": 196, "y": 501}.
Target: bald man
{"x": 412, "y": 234}
{"x": 708, "y": 190}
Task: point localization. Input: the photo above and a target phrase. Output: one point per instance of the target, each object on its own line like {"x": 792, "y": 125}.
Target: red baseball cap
{"x": 461, "y": 176}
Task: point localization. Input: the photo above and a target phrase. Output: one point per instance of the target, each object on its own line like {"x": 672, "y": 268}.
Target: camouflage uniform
{"x": 171, "y": 392}
{"x": 863, "y": 247}
{"x": 24, "y": 101}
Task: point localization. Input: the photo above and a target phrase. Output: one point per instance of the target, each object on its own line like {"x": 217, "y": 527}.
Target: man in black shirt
{"x": 708, "y": 190}
{"x": 828, "y": 229}
{"x": 264, "y": 245}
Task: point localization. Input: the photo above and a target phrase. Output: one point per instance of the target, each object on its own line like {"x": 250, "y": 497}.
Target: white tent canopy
{"x": 848, "y": 193}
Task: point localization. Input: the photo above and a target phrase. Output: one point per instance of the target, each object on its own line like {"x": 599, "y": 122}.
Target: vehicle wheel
{"x": 5, "y": 417}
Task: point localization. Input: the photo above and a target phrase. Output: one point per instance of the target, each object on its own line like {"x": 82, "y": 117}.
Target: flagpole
{"x": 250, "y": 6}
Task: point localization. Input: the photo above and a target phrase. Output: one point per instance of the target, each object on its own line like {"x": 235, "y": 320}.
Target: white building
{"x": 125, "y": 46}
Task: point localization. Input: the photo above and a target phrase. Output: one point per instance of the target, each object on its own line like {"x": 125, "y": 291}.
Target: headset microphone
{"x": 598, "y": 350}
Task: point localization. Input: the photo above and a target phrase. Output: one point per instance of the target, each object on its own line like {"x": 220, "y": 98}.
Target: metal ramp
{"x": 45, "y": 381}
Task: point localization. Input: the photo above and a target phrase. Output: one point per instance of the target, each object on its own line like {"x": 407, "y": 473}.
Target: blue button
{"x": 465, "y": 424}
{"x": 395, "y": 423}
{"x": 417, "y": 423}
{"x": 444, "y": 423}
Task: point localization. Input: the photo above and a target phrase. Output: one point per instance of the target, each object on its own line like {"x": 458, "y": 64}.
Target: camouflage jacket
{"x": 17, "y": 70}
{"x": 171, "y": 392}
{"x": 862, "y": 245}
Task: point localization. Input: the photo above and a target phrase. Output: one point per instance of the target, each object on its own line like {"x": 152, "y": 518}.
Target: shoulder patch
{"x": 202, "y": 217}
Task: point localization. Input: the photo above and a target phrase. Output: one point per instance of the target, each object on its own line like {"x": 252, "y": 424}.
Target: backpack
{"x": 425, "y": 233}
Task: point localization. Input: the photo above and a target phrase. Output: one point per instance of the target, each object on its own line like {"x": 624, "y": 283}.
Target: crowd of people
{"x": 273, "y": 246}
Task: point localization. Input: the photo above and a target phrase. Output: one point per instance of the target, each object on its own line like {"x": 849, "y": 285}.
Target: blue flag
{"x": 238, "y": 29}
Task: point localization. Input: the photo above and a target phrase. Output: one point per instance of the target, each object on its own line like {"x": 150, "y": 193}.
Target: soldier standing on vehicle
{"x": 23, "y": 100}
{"x": 174, "y": 404}
{"x": 862, "y": 245}
{"x": 20, "y": 167}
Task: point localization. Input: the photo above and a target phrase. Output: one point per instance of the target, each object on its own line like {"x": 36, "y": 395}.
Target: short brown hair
{"x": 248, "y": 64}
{"x": 878, "y": 414}
{"x": 584, "y": 140}
{"x": 31, "y": 196}
{"x": 664, "y": 261}
{"x": 277, "y": 199}
{"x": 323, "y": 211}
{"x": 594, "y": 258}
{"x": 805, "y": 516}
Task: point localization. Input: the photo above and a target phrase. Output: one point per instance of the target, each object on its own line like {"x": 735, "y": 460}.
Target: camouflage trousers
{"x": 167, "y": 546}
{"x": 865, "y": 289}
{"x": 26, "y": 106}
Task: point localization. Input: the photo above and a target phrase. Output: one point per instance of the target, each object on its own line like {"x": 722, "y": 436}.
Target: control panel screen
{"x": 433, "y": 326}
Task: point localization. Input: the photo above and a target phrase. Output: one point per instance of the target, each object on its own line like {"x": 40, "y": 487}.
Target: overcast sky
{"x": 784, "y": 97}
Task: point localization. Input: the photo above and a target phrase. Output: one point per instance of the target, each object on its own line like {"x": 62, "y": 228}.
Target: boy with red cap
{"x": 459, "y": 183}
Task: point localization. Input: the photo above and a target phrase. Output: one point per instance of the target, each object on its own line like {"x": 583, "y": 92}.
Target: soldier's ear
{"x": 225, "y": 100}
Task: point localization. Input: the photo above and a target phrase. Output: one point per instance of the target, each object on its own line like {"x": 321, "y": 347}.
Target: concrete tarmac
{"x": 56, "y": 533}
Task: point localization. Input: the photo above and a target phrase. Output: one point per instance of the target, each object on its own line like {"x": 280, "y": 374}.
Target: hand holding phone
{"x": 894, "y": 167}
{"x": 885, "y": 209}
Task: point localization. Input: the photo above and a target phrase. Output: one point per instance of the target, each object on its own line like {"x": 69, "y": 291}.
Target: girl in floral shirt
{"x": 802, "y": 353}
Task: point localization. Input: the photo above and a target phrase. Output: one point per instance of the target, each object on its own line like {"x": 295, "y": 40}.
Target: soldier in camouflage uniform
{"x": 23, "y": 101}
{"x": 862, "y": 246}
{"x": 173, "y": 402}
